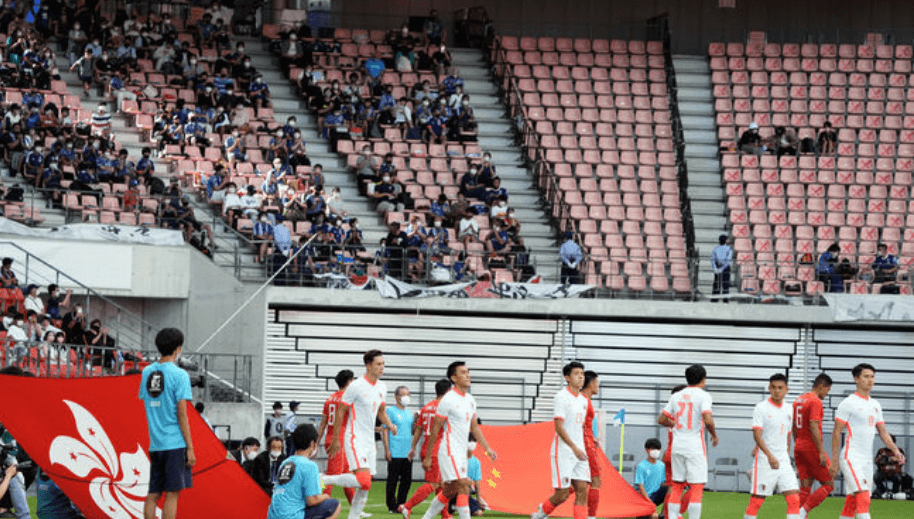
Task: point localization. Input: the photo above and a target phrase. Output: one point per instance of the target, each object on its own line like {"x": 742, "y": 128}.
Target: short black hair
{"x": 200, "y": 407}
{"x": 250, "y": 440}
{"x": 834, "y": 248}
{"x": 778, "y": 377}
{"x": 722, "y": 239}
{"x": 822, "y": 380}
{"x": 695, "y": 374}
{"x": 168, "y": 340}
{"x": 277, "y": 405}
{"x": 52, "y": 287}
{"x": 12, "y": 370}
{"x": 589, "y": 376}
{"x": 566, "y": 371}
{"x": 652, "y": 443}
{"x": 272, "y": 439}
{"x": 452, "y": 368}
{"x": 343, "y": 377}
{"x": 7, "y": 261}
{"x": 858, "y": 369}
{"x": 442, "y": 387}
{"x": 678, "y": 388}
{"x": 303, "y": 436}
{"x": 370, "y": 355}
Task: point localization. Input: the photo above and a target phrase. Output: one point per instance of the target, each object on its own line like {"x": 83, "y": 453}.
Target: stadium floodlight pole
{"x": 251, "y": 298}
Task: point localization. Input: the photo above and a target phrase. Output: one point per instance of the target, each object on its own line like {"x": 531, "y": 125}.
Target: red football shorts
{"x": 337, "y": 465}
{"x": 808, "y": 466}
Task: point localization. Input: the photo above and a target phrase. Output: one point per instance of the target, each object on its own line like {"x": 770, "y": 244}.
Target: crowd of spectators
{"x": 784, "y": 141}
{"x": 838, "y": 273}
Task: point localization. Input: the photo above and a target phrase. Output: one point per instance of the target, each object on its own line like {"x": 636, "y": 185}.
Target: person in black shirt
{"x": 751, "y": 141}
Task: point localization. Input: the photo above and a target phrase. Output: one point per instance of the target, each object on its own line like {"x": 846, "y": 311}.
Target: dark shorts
{"x": 323, "y": 510}
{"x": 168, "y": 471}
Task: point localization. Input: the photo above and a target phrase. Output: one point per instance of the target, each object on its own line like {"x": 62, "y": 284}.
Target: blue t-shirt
{"x": 163, "y": 387}
{"x": 403, "y": 419}
{"x": 474, "y": 469}
{"x": 651, "y": 475}
{"x": 52, "y": 502}
{"x": 297, "y": 480}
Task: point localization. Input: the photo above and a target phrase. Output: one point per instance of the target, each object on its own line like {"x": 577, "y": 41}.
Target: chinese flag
{"x": 521, "y": 478}
{"x": 90, "y": 436}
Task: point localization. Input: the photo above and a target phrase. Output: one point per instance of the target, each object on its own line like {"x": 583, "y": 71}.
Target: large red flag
{"x": 521, "y": 479}
{"x": 90, "y": 436}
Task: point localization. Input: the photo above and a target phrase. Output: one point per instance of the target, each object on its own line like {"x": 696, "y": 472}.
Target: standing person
{"x": 363, "y": 402}
{"x": 591, "y": 445}
{"x": 275, "y": 423}
{"x": 721, "y": 257}
{"x": 423, "y": 432}
{"x": 298, "y": 487}
{"x": 165, "y": 392}
{"x": 337, "y": 464}
{"x": 689, "y": 413}
{"x": 809, "y": 450}
{"x": 289, "y": 425}
{"x": 458, "y": 409}
{"x": 771, "y": 468}
{"x": 571, "y": 256}
{"x": 570, "y": 469}
{"x": 396, "y": 450}
{"x": 668, "y": 468}
{"x": 861, "y": 415}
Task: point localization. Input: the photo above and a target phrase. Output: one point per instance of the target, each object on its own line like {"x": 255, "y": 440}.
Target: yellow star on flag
{"x": 496, "y": 473}
{"x": 491, "y": 483}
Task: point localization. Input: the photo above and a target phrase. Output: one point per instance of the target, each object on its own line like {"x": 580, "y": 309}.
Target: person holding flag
{"x": 570, "y": 469}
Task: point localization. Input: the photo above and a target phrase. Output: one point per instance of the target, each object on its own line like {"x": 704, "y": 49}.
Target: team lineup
{"x": 448, "y": 428}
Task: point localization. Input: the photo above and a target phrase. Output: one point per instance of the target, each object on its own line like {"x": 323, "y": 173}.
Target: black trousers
{"x": 570, "y": 275}
{"x": 721, "y": 284}
{"x": 399, "y": 479}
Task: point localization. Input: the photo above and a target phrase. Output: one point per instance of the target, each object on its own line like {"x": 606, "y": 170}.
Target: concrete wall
{"x": 244, "y": 419}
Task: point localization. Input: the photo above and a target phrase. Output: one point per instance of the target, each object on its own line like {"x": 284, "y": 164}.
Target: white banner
{"x": 96, "y": 232}
{"x": 396, "y": 289}
{"x": 851, "y": 307}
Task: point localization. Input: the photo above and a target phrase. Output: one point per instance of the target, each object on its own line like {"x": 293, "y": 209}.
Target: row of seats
{"x": 580, "y": 45}
{"x": 810, "y": 50}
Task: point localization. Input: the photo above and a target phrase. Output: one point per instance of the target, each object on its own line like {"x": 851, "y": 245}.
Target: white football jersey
{"x": 687, "y": 408}
{"x": 458, "y": 410}
{"x": 776, "y": 423}
{"x": 571, "y": 408}
{"x": 860, "y": 415}
{"x": 364, "y": 399}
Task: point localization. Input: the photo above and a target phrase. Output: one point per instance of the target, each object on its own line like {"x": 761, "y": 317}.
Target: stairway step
{"x": 697, "y": 150}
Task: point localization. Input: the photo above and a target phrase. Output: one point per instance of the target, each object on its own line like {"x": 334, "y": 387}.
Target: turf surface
{"x": 716, "y": 505}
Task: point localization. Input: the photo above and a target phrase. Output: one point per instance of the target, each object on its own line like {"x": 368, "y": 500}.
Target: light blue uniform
{"x": 164, "y": 385}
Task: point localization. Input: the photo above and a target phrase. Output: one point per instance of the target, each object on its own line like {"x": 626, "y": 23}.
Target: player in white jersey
{"x": 772, "y": 424}
{"x": 363, "y": 402}
{"x": 567, "y": 456}
{"x": 861, "y": 415}
{"x": 455, "y": 418}
{"x": 689, "y": 413}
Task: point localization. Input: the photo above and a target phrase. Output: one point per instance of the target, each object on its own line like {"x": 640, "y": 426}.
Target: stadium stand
{"x": 596, "y": 118}
{"x": 787, "y": 209}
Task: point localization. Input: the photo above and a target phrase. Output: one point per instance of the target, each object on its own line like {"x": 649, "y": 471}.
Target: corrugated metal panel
{"x": 651, "y": 329}
{"x": 454, "y": 350}
{"x": 473, "y": 336}
{"x": 685, "y": 343}
{"x": 440, "y": 322}
{"x": 683, "y": 357}
{"x": 865, "y": 336}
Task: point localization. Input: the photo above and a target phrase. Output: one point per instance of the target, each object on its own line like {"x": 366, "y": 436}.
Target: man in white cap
{"x": 751, "y": 142}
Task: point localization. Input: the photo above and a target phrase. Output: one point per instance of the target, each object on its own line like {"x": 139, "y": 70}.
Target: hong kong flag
{"x": 90, "y": 436}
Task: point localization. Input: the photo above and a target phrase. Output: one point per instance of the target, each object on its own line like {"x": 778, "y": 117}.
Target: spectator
{"x": 335, "y": 203}
{"x": 265, "y": 467}
{"x": 499, "y": 244}
{"x": 74, "y": 325}
{"x": 386, "y": 195}
{"x": 190, "y": 224}
{"x": 396, "y": 250}
{"x": 433, "y": 29}
{"x": 442, "y": 59}
{"x": 751, "y": 142}
{"x": 16, "y": 331}
{"x": 298, "y": 151}
{"x": 827, "y": 270}
{"x": 891, "y": 480}
{"x": 97, "y": 336}
{"x": 291, "y": 54}
{"x": 32, "y": 301}
{"x": 721, "y": 257}
{"x": 290, "y": 425}
{"x": 259, "y": 93}
{"x": 436, "y": 239}
{"x": 440, "y": 207}
{"x": 101, "y": 121}
{"x": 374, "y": 67}
{"x": 366, "y": 169}
{"x": 7, "y": 276}
{"x": 353, "y": 239}
{"x": 885, "y": 266}
{"x": 247, "y": 452}
{"x": 282, "y": 241}
{"x": 650, "y": 474}
{"x": 468, "y": 229}
{"x": 85, "y": 70}
{"x": 55, "y": 303}
{"x": 827, "y": 143}
{"x": 787, "y": 141}
{"x": 263, "y": 236}
{"x": 571, "y": 255}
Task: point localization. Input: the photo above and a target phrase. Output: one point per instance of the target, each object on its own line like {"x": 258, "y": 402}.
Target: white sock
{"x": 463, "y": 512}
{"x": 673, "y": 510}
{"x": 845, "y": 517}
{"x": 793, "y": 516}
{"x": 591, "y": 517}
{"x": 434, "y": 509}
{"x": 694, "y": 510}
{"x": 859, "y": 516}
{"x": 747, "y": 516}
{"x": 358, "y": 502}
{"x": 803, "y": 513}
{"x": 342, "y": 480}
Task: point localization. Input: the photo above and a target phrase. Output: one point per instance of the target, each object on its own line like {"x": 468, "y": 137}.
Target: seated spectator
{"x": 353, "y": 239}
{"x": 366, "y": 169}
{"x": 396, "y": 250}
{"x": 334, "y": 203}
{"x": 890, "y": 478}
{"x": 496, "y": 192}
{"x": 751, "y": 142}
{"x": 293, "y": 206}
{"x": 101, "y": 345}
{"x": 498, "y": 243}
{"x": 374, "y": 68}
{"x": 8, "y": 278}
{"x": 216, "y": 184}
{"x": 436, "y": 239}
{"x": 403, "y": 117}
{"x": 827, "y": 269}
{"x": 291, "y": 54}
{"x": 259, "y": 94}
{"x": 827, "y": 143}
{"x": 234, "y": 148}
{"x": 787, "y": 141}
{"x": 433, "y": 29}
{"x": 512, "y": 225}
{"x": 118, "y": 92}
{"x": 468, "y": 229}
{"x": 386, "y": 194}
{"x": 265, "y": 468}
{"x": 469, "y": 181}
{"x": 101, "y": 121}
{"x": 499, "y": 210}
{"x": 32, "y": 301}
{"x": 885, "y": 266}
{"x": 246, "y": 453}
{"x": 440, "y": 207}
{"x": 436, "y": 127}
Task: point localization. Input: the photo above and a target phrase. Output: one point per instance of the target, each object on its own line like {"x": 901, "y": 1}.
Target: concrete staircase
{"x": 496, "y": 135}
{"x": 696, "y": 108}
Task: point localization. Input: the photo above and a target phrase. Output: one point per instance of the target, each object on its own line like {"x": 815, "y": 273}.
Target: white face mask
{"x": 471, "y": 446}
{"x": 405, "y": 400}
{"x": 472, "y": 171}
{"x": 250, "y": 455}
{"x": 275, "y": 454}
{"x": 264, "y": 220}
{"x": 437, "y": 224}
{"x": 654, "y": 453}
{"x": 386, "y": 179}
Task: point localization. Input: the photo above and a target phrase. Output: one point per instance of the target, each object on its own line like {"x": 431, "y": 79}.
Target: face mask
{"x": 471, "y": 446}
{"x": 250, "y": 455}
{"x": 405, "y": 400}
{"x": 472, "y": 171}
{"x": 386, "y": 179}
{"x": 292, "y": 124}
{"x": 247, "y": 64}
{"x": 193, "y": 62}
{"x": 263, "y": 220}
{"x": 20, "y": 322}
{"x": 655, "y": 453}
{"x": 501, "y": 204}
{"x": 240, "y": 49}
{"x": 275, "y": 454}
{"x": 437, "y": 224}
{"x": 466, "y": 103}
{"x": 425, "y": 103}
{"x": 339, "y": 224}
